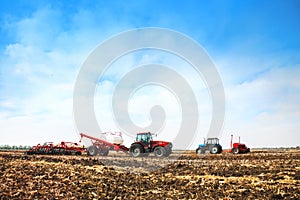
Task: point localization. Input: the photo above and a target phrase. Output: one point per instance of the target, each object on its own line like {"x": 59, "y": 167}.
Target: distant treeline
{"x": 14, "y": 147}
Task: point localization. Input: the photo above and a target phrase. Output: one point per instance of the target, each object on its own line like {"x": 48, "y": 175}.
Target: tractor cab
{"x": 145, "y": 138}
{"x": 209, "y": 141}
{"x": 212, "y": 141}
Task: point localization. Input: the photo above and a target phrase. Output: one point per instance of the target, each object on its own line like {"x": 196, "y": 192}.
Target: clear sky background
{"x": 254, "y": 44}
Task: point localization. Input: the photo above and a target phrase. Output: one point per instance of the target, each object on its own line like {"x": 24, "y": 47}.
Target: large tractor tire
{"x": 214, "y": 150}
{"x": 160, "y": 152}
{"x": 136, "y": 150}
{"x": 92, "y": 151}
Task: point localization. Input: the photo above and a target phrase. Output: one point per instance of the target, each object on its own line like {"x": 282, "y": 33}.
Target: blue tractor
{"x": 210, "y": 144}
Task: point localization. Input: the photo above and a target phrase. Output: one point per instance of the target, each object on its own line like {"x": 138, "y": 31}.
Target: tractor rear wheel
{"x": 92, "y": 151}
{"x": 159, "y": 152}
{"x": 136, "y": 150}
{"x": 214, "y": 150}
{"x": 235, "y": 150}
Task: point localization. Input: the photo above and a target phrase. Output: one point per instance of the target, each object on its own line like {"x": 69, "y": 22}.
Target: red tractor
{"x": 238, "y": 148}
{"x": 144, "y": 144}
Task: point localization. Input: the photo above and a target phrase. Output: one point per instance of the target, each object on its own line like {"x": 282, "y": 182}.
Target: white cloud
{"x": 266, "y": 111}
{"x": 38, "y": 73}
{"x": 37, "y": 80}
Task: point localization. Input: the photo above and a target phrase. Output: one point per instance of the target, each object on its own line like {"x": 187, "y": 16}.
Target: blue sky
{"x": 254, "y": 44}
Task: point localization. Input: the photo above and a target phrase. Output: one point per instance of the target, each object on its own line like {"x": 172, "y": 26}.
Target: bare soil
{"x": 257, "y": 175}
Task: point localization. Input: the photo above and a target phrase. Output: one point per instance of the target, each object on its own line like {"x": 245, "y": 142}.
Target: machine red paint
{"x": 238, "y": 147}
{"x": 143, "y": 145}
{"x": 63, "y": 148}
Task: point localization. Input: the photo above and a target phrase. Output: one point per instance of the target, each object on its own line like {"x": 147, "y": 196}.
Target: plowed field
{"x": 257, "y": 175}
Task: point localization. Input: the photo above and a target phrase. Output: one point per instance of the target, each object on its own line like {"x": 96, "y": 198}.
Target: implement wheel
{"x": 235, "y": 151}
{"x": 92, "y": 151}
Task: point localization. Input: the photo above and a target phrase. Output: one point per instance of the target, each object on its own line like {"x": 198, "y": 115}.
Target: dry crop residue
{"x": 258, "y": 175}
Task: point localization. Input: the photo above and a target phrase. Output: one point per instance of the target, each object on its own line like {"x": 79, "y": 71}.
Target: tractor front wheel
{"x": 160, "y": 151}
{"x": 92, "y": 151}
{"x": 136, "y": 150}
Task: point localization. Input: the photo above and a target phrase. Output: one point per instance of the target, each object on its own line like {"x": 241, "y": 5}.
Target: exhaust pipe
{"x": 231, "y": 141}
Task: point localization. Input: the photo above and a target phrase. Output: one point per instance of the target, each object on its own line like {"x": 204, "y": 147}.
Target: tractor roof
{"x": 142, "y": 133}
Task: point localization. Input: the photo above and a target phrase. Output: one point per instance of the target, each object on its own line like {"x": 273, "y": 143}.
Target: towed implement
{"x": 238, "y": 147}
{"x": 63, "y": 148}
{"x": 102, "y": 147}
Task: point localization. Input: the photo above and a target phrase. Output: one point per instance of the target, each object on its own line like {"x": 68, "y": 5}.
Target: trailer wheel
{"x": 235, "y": 151}
{"x": 92, "y": 150}
{"x": 159, "y": 151}
{"x": 136, "y": 150}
